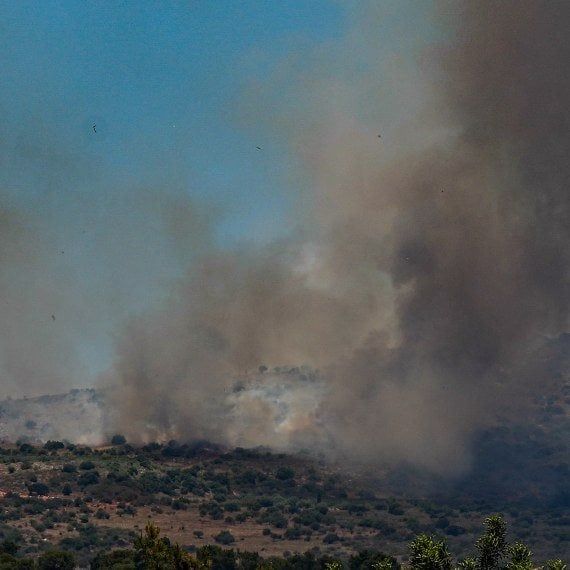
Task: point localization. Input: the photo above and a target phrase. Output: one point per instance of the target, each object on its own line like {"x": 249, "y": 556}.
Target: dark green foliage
{"x": 38, "y": 489}
{"x": 293, "y": 533}
{"x": 492, "y": 544}
{"x": 114, "y": 560}
{"x": 394, "y": 508}
{"x": 89, "y": 478}
{"x": 216, "y": 558}
{"x": 520, "y": 557}
{"x": 118, "y": 439}
{"x": 53, "y": 445}
{"x": 9, "y": 547}
{"x": 284, "y": 473}
{"x": 428, "y": 553}
{"x": 367, "y": 559}
{"x": 224, "y": 537}
{"x": 153, "y": 552}
{"x": 9, "y": 562}
{"x": 56, "y": 560}
{"x": 331, "y": 538}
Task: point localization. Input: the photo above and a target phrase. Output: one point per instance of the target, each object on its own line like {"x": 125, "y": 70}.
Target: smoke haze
{"x": 425, "y": 254}
{"x": 430, "y": 262}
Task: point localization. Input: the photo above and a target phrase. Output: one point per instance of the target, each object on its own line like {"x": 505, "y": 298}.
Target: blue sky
{"x": 182, "y": 94}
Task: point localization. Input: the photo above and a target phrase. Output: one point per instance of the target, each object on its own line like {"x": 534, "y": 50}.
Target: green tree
{"x": 51, "y": 445}
{"x": 9, "y": 562}
{"x": 493, "y": 543}
{"x": 224, "y": 537}
{"x": 118, "y": 439}
{"x": 427, "y": 553}
{"x": 153, "y": 552}
{"x": 114, "y": 560}
{"x": 366, "y": 559}
{"x": 468, "y": 564}
{"x": 56, "y": 560}
{"x": 520, "y": 557}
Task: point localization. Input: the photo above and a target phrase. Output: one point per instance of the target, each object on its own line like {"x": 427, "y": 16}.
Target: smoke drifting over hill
{"x": 419, "y": 285}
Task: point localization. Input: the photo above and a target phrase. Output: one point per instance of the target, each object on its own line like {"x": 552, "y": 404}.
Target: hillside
{"x": 88, "y": 499}
{"x": 77, "y": 415}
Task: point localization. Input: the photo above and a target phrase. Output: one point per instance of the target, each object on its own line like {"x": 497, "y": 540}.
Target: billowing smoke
{"x": 430, "y": 262}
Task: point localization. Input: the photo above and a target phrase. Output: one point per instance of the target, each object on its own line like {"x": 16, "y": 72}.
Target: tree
{"x": 224, "y": 537}
{"x": 38, "y": 489}
{"x": 153, "y": 552}
{"x": 51, "y": 445}
{"x": 427, "y": 553}
{"x": 56, "y": 560}
{"x": 118, "y": 439}
{"x": 520, "y": 557}
{"x": 114, "y": 560}
{"x": 468, "y": 564}
{"x": 492, "y": 544}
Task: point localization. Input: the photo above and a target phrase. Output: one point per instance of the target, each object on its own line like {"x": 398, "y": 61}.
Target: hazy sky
{"x": 97, "y": 224}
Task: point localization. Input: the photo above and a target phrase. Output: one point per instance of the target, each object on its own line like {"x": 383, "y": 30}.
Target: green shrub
{"x": 224, "y": 537}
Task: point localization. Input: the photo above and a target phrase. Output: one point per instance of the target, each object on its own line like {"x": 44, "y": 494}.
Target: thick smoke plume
{"x": 419, "y": 286}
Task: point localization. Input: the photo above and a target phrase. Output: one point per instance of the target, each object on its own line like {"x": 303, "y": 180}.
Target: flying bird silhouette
{"x": 94, "y": 128}
{"x": 258, "y": 147}
{"x": 53, "y": 317}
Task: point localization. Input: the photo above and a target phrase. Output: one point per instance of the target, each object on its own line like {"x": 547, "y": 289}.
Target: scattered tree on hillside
{"x": 56, "y": 560}
{"x": 118, "y": 439}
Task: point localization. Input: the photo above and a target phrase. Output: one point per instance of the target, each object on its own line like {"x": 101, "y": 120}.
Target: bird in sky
{"x": 94, "y": 128}
{"x": 53, "y": 317}
{"x": 258, "y": 147}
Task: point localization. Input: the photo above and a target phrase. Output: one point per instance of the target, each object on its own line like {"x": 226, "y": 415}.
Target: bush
{"x": 39, "y": 489}
{"x": 284, "y": 473}
{"x": 224, "y": 537}
{"x": 90, "y": 478}
{"x": 118, "y": 439}
{"x": 293, "y": 533}
{"x": 56, "y": 560}
{"x": 53, "y": 445}
{"x": 119, "y": 559}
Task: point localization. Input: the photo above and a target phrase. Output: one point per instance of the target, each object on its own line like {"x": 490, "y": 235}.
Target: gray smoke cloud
{"x": 423, "y": 274}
